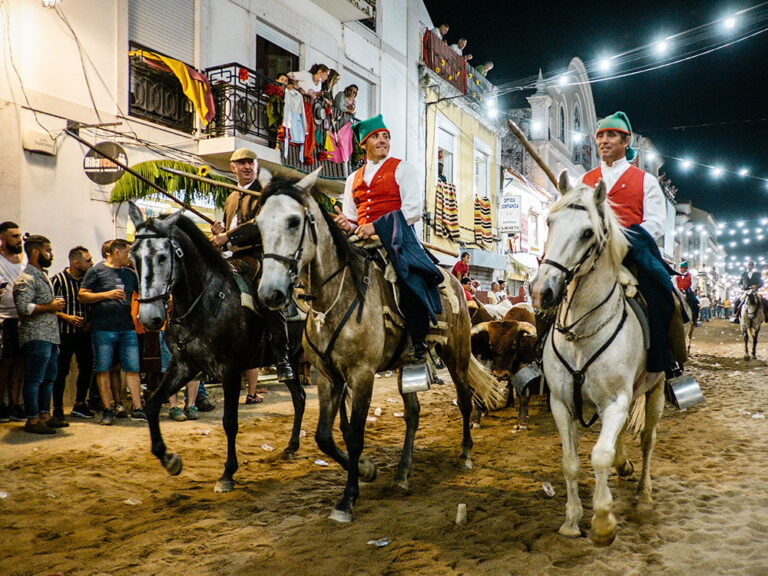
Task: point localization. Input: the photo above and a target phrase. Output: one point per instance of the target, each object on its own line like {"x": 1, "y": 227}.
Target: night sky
{"x": 728, "y": 86}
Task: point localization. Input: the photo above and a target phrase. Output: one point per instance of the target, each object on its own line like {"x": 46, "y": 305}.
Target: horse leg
{"x": 298, "y": 397}
{"x": 623, "y": 465}
{"x": 229, "y": 420}
{"x": 754, "y": 344}
{"x": 354, "y": 437}
{"x": 175, "y": 377}
{"x": 614, "y": 418}
{"x": 566, "y": 425}
{"x": 745, "y": 334}
{"x": 329, "y": 397}
{"x": 412, "y": 410}
{"x": 654, "y": 406}
{"x": 464, "y": 399}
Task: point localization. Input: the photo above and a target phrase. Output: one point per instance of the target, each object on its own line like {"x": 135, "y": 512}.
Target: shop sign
{"x": 510, "y": 213}
{"x": 99, "y": 168}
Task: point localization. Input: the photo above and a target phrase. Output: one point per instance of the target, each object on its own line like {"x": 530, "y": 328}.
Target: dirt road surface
{"x": 94, "y": 501}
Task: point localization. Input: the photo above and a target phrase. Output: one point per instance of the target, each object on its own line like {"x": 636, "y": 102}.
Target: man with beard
{"x": 38, "y": 335}
{"x": 11, "y": 360}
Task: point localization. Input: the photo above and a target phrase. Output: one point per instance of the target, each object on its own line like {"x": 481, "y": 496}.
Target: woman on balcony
{"x": 310, "y": 83}
{"x": 344, "y": 105}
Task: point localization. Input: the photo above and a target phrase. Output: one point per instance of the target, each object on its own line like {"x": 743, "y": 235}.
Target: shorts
{"x": 11, "y": 347}
{"x": 107, "y": 344}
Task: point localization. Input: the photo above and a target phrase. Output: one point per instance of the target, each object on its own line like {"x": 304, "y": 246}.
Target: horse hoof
{"x": 341, "y": 516}
{"x": 570, "y": 530}
{"x": 603, "y": 529}
{"x": 467, "y": 464}
{"x": 604, "y": 539}
{"x": 366, "y": 469}
{"x": 746, "y": 357}
{"x": 401, "y": 484}
{"x": 223, "y": 486}
{"x": 626, "y": 469}
{"x": 173, "y": 464}
{"x": 289, "y": 455}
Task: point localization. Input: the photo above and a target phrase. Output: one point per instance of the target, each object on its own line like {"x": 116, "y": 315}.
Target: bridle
{"x": 178, "y": 252}
{"x": 307, "y": 223}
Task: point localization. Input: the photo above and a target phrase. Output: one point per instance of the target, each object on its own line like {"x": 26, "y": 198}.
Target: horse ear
{"x": 171, "y": 220}
{"x": 600, "y": 193}
{"x": 136, "y": 216}
{"x": 563, "y": 183}
{"x": 265, "y": 177}
{"x": 309, "y": 180}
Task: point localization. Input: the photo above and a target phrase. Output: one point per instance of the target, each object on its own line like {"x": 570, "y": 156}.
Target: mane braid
{"x": 349, "y": 254}
{"x": 207, "y": 250}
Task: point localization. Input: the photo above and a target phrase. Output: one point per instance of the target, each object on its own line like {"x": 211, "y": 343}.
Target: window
{"x": 578, "y": 137}
{"x": 482, "y": 180}
{"x": 446, "y": 154}
{"x": 276, "y": 53}
{"x": 561, "y": 126}
{"x": 364, "y": 105}
{"x": 167, "y": 26}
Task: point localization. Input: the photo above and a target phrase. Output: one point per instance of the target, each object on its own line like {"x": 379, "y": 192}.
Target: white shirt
{"x": 9, "y": 272}
{"x": 407, "y": 180}
{"x": 305, "y": 81}
{"x": 436, "y": 32}
{"x": 705, "y": 302}
{"x": 455, "y": 48}
{"x": 654, "y": 204}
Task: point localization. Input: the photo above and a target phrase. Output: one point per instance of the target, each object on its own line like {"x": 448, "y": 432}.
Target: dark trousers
{"x": 79, "y": 346}
{"x": 416, "y": 315}
{"x": 656, "y": 287}
{"x": 277, "y": 328}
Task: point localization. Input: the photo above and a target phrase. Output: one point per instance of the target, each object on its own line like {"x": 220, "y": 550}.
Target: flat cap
{"x": 243, "y": 154}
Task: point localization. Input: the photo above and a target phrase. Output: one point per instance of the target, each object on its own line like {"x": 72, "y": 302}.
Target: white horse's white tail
{"x": 485, "y": 385}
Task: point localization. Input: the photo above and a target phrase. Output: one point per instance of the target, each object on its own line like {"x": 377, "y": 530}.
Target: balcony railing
{"x": 156, "y": 95}
{"x": 443, "y": 61}
{"x": 241, "y": 102}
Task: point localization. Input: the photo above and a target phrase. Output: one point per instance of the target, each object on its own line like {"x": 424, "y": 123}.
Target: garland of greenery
{"x": 129, "y": 187}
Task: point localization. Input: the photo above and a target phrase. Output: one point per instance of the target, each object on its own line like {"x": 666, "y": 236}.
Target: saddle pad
{"x": 643, "y": 318}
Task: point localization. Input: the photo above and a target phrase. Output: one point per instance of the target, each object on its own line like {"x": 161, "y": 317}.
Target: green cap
{"x": 684, "y": 264}
{"x": 367, "y": 127}
{"x": 619, "y": 122}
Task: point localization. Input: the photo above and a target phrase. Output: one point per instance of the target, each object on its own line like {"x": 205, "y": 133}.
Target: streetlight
{"x": 729, "y": 22}
{"x": 717, "y": 172}
{"x": 743, "y": 172}
{"x": 605, "y": 64}
{"x": 662, "y": 46}
{"x": 686, "y": 164}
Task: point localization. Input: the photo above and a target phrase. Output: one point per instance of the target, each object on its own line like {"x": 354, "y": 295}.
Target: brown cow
{"x": 508, "y": 345}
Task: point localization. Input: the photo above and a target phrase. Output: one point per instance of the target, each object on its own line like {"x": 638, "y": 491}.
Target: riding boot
{"x": 419, "y": 352}
{"x": 278, "y": 336}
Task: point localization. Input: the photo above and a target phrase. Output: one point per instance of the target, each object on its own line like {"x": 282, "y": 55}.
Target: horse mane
{"x": 606, "y": 226}
{"x": 349, "y": 254}
{"x": 206, "y": 249}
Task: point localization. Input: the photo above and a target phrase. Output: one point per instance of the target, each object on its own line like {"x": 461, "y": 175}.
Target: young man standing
{"x": 108, "y": 288}
{"x": 38, "y": 335}
{"x": 75, "y": 333}
{"x": 11, "y": 359}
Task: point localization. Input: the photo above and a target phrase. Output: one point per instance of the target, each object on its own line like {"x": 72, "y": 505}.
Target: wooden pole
{"x": 140, "y": 177}
{"x": 527, "y": 145}
{"x": 210, "y": 181}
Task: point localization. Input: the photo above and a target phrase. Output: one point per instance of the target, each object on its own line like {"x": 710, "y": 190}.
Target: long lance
{"x": 535, "y": 155}
{"x": 140, "y": 177}
{"x": 210, "y": 181}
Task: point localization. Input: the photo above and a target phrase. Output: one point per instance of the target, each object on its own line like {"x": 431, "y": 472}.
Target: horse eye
{"x": 587, "y": 234}
{"x": 293, "y": 222}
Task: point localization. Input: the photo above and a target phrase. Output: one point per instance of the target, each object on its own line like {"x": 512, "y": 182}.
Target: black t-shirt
{"x": 111, "y": 314}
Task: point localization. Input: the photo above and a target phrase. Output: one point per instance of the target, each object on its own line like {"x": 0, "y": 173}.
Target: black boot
{"x": 278, "y": 336}
{"x": 419, "y": 352}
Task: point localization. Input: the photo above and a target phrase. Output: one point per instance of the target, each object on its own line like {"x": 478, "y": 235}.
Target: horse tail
{"x": 485, "y": 386}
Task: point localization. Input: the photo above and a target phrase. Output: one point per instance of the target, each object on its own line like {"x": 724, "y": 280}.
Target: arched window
{"x": 577, "y": 119}
{"x": 561, "y": 127}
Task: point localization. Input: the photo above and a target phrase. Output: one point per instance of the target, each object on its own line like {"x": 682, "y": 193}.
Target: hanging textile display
{"x": 446, "y": 211}
{"x": 483, "y": 224}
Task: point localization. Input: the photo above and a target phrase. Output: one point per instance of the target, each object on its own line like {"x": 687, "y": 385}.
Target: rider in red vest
{"x": 381, "y": 186}
{"x": 638, "y": 202}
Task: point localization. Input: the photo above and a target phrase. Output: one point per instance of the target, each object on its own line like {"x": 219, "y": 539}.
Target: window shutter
{"x": 167, "y": 26}
{"x": 264, "y": 30}
{"x": 364, "y": 108}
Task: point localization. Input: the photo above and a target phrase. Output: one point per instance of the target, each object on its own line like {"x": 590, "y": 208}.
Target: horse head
{"x": 581, "y": 229}
{"x": 153, "y": 253}
{"x": 288, "y": 229}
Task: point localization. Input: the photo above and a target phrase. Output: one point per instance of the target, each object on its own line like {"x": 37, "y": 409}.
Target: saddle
{"x": 246, "y": 271}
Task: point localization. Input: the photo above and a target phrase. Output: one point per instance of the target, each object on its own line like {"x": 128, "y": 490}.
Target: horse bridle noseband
{"x": 293, "y": 263}
{"x": 165, "y": 296}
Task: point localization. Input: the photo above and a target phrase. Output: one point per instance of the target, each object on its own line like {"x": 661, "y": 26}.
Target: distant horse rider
{"x": 240, "y": 235}
{"x": 750, "y": 278}
{"x": 685, "y": 285}
{"x": 383, "y": 198}
{"x": 639, "y": 206}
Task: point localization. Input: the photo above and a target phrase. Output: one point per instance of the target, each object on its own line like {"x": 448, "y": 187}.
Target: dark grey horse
{"x": 209, "y": 331}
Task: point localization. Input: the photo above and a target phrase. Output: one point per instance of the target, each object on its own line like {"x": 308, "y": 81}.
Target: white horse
{"x": 594, "y": 356}
{"x": 750, "y": 319}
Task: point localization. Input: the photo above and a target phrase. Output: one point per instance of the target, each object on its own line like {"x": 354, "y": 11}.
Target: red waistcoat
{"x": 626, "y": 195}
{"x": 381, "y": 197}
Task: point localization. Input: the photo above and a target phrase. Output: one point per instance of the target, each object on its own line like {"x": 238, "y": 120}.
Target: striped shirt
{"x": 67, "y": 287}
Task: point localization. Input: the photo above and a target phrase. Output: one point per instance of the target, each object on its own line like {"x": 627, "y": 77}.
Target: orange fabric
{"x": 381, "y": 197}
{"x": 626, "y": 195}
{"x": 135, "y": 314}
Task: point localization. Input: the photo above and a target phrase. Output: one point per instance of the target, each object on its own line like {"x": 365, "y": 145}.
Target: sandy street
{"x": 94, "y": 501}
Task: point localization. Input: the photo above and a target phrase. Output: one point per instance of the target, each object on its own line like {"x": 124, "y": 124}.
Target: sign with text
{"x": 99, "y": 168}
{"x": 510, "y": 213}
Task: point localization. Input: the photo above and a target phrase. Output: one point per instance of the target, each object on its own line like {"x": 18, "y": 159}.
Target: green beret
{"x": 365, "y": 128}
{"x": 684, "y": 264}
{"x": 618, "y": 122}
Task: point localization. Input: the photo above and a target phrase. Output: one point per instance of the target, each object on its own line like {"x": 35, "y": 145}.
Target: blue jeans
{"x": 41, "y": 368}
{"x": 108, "y": 343}
{"x": 165, "y": 359}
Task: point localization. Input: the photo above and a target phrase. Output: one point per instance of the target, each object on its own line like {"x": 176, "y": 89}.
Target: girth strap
{"x": 579, "y": 376}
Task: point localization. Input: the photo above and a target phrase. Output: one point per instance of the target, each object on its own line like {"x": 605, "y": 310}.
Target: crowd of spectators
{"x": 459, "y": 47}
{"x": 86, "y": 311}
